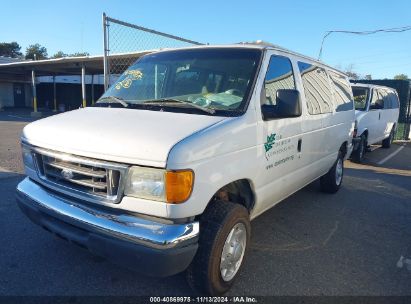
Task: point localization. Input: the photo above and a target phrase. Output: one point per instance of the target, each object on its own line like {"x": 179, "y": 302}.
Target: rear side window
{"x": 316, "y": 88}
{"x": 390, "y": 100}
{"x": 394, "y": 100}
{"x": 342, "y": 92}
{"x": 386, "y": 98}
{"x": 279, "y": 76}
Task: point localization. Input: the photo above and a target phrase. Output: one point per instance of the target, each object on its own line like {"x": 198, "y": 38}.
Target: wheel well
{"x": 239, "y": 192}
{"x": 343, "y": 149}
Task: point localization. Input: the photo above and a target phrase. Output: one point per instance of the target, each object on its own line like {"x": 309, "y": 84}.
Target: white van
{"x": 376, "y": 117}
{"x": 166, "y": 171}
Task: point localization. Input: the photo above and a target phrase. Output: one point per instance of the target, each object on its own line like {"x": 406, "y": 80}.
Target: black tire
{"x": 216, "y": 223}
{"x": 386, "y": 143}
{"x": 358, "y": 154}
{"x": 330, "y": 182}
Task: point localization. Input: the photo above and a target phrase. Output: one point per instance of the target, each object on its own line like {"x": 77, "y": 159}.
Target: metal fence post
{"x": 83, "y": 85}
{"x": 105, "y": 53}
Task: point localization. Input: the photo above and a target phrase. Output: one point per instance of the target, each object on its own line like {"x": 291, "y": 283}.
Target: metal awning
{"x": 62, "y": 66}
{"x": 90, "y": 65}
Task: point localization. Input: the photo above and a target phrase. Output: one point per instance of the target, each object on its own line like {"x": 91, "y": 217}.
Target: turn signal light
{"x": 179, "y": 185}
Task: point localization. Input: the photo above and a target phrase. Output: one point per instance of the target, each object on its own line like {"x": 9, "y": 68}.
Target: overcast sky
{"x": 74, "y": 26}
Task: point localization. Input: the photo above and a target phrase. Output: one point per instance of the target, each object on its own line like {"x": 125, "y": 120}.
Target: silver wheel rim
{"x": 339, "y": 171}
{"x": 233, "y": 252}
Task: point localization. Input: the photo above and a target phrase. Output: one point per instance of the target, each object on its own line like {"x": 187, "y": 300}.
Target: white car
{"x": 376, "y": 117}
{"x": 166, "y": 171}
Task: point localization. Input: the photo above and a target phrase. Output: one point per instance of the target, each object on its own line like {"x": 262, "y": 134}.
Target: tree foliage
{"x": 59, "y": 54}
{"x": 36, "y": 49}
{"x": 401, "y": 77}
{"x": 352, "y": 75}
{"x": 11, "y": 49}
{"x": 79, "y": 54}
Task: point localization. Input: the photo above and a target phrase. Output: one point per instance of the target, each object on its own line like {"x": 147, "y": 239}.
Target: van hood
{"x": 121, "y": 135}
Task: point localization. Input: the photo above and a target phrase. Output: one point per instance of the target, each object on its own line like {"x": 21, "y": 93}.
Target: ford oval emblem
{"x": 67, "y": 174}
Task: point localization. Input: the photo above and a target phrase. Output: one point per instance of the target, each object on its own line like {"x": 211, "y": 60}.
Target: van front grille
{"x": 85, "y": 178}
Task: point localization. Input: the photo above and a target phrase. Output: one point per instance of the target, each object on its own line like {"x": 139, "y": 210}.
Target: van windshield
{"x": 360, "y": 98}
{"x": 215, "y": 81}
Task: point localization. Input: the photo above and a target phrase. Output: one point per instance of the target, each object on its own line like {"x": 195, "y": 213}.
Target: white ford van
{"x": 166, "y": 171}
{"x": 376, "y": 117}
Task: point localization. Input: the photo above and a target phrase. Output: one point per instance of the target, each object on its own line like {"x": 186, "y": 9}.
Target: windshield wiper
{"x": 193, "y": 105}
{"x": 114, "y": 99}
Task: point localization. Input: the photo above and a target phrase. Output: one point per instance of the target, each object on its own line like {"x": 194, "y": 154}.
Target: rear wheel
{"x": 358, "y": 154}
{"x": 386, "y": 143}
{"x": 332, "y": 181}
{"x": 224, "y": 237}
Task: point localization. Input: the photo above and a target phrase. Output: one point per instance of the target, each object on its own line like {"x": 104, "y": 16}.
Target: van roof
{"x": 370, "y": 86}
{"x": 263, "y": 45}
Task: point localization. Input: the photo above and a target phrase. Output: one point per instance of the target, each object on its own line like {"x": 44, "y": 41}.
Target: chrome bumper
{"x": 120, "y": 226}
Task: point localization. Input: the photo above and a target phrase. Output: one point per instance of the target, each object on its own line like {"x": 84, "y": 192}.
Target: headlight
{"x": 27, "y": 157}
{"x": 159, "y": 185}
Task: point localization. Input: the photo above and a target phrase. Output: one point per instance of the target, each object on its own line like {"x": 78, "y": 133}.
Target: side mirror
{"x": 288, "y": 104}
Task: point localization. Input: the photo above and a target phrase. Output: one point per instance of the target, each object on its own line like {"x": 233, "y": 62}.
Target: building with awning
{"x": 22, "y": 83}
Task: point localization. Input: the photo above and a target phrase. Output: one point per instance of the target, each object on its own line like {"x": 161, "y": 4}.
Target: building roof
{"x": 61, "y": 66}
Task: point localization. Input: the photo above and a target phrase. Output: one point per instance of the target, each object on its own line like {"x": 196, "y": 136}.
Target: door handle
{"x": 379, "y": 115}
{"x": 300, "y": 141}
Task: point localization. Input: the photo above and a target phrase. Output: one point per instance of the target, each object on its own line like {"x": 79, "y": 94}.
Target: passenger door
{"x": 280, "y": 162}
{"x": 375, "y": 127}
{"x": 318, "y": 101}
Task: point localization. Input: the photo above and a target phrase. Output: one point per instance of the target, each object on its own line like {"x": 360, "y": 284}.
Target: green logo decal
{"x": 270, "y": 142}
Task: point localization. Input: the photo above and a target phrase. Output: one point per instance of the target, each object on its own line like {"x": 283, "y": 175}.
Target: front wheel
{"x": 224, "y": 237}
{"x": 358, "y": 154}
{"x": 332, "y": 181}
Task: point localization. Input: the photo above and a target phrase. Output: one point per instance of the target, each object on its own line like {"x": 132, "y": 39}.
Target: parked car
{"x": 376, "y": 117}
{"x": 166, "y": 171}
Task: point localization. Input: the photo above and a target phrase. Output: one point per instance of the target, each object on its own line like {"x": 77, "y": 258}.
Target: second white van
{"x": 376, "y": 117}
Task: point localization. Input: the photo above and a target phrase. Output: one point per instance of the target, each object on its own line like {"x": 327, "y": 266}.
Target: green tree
{"x": 11, "y": 49}
{"x": 401, "y": 77}
{"x": 59, "y": 54}
{"x": 38, "y": 50}
{"x": 349, "y": 70}
{"x": 79, "y": 54}
{"x": 352, "y": 75}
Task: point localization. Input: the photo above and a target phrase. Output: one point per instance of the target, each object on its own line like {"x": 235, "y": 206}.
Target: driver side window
{"x": 279, "y": 76}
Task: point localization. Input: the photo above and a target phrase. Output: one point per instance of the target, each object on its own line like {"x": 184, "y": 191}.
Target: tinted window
{"x": 390, "y": 99}
{"x": 279, "y": 76}
{"x": 360, "y": 98}
{"x": 376, "y": 100}
{"x": 342, "y": 92}
{"x": 395, "y": 104}
{"x": 386, "y": 98}
{"x": 316, "y": 88}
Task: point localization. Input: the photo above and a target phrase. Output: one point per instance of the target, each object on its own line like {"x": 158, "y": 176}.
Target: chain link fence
{"x": 124, "y": 41}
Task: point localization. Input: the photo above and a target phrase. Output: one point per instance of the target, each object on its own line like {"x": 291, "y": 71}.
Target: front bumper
{"x": 138, "y": 243}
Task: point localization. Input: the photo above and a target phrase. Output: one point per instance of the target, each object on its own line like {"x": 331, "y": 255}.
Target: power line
{"x": 389, "y": 30}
